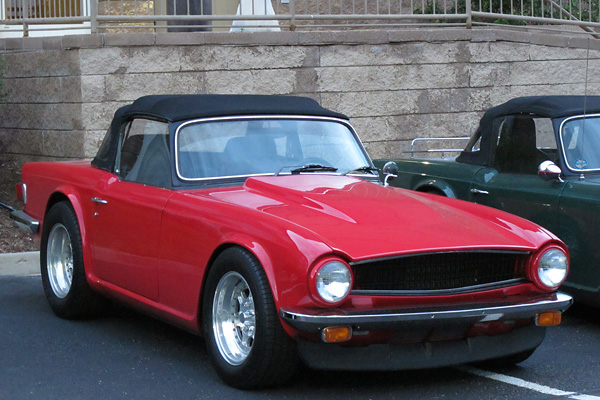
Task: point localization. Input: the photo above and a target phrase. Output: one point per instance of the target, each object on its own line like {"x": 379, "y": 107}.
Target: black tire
{"x": 62, "y": 269}
{"x": 267, "y": 356}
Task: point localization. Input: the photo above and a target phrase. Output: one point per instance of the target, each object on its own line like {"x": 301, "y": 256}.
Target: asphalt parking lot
{"x": 126, "y": 355}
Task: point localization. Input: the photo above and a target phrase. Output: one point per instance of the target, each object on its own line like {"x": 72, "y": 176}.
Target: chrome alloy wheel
{"x": 233, "y": 318}
{"x": 59, "y": 261}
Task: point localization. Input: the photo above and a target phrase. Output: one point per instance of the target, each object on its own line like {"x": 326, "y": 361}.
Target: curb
{"x": 20, "y": 264}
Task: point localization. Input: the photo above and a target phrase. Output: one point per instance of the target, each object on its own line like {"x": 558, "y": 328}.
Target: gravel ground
{"x": 13, "y": 239}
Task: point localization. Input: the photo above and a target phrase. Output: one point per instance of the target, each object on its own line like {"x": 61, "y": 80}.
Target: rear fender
{"x": 74, "y": 197}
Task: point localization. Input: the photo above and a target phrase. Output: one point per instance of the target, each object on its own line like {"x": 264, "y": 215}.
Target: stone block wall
{"x": 395, "y": 85}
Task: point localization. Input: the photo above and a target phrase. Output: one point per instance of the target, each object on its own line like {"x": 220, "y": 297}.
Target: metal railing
{"x": 239, "y": 15}
{"x": 431, "y": 142}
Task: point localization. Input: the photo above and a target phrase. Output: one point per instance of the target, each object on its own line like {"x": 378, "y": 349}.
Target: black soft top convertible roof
{"x": 542, "y": 106}
{"x": 174, "y": 108}
{"x": 181, "y": 107}
{"x": 546, "y": 106}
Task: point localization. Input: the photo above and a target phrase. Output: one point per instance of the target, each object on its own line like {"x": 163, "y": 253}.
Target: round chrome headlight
{"x": 333, "y": 281}
{"x": 552, "y": 267}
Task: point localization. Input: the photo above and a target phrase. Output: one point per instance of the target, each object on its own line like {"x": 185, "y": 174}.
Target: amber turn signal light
{"x": 336, "y": 334}
{"x": 551, "y": 318}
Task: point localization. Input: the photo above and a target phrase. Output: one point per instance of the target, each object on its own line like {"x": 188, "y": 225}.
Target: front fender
{"x": 286, "y": 263}
{"x": 432, "y": 184}
{"x": 262, "y": 255}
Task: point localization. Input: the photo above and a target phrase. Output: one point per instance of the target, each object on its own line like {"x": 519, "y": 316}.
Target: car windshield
{"x": 217, "y": 148}
{"x": 580, "y": 137}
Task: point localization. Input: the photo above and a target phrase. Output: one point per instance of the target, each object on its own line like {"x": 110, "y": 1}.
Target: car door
{"x": 512, "y": 183}
{"x": 128, "y": 210}
{"x": 579, "y": 228}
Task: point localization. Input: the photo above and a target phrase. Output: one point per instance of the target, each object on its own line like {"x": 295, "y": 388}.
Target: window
{"x": 144, "y": 153}
{"x": 523, "y": 142}
{"x": 231, "y": 148}
{"x": 545, "y": 139}
{"x": 581, "y": 143}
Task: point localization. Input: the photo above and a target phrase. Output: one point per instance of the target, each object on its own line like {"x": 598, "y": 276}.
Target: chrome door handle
{"x": 99, "y": 200}
{"x": 477, "y": 191}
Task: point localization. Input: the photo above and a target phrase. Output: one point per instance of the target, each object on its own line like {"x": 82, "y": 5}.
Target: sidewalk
{"x": 20, "y": 264}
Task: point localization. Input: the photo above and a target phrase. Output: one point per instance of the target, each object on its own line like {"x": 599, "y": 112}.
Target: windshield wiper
{"x": 366, "y": 168}
{"x": 313, "y": 168}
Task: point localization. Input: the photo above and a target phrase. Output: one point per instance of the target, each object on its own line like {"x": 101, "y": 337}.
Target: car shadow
{"x": 125, "y": 351}
{"x": 188, "y": 348}
{"x": 582, "y": 314}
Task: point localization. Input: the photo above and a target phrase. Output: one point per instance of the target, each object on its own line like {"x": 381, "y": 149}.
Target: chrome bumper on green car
{"x": 391, "y": 319}
{"x": 25, "y": 222}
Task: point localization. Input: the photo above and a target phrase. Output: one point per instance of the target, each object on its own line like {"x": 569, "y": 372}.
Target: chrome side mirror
{"x": 390, "y": 171}
{"x": 549, "y": 171}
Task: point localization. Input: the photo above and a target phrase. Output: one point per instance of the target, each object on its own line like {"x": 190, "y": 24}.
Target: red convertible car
{"x": 260, "y": 223}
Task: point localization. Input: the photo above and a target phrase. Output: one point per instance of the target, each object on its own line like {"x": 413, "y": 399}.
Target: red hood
{"x": 364, "y": 220}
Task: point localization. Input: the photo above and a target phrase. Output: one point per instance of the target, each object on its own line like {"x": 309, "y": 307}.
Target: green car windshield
{"x": 232, "y": 147}
{"x": 580, "y": 137}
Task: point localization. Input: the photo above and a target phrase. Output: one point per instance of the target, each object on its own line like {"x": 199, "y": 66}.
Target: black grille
{"x": 438, "y": 271}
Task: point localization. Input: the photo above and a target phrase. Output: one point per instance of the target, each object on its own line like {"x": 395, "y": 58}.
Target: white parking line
{"x": 511, "y": 380}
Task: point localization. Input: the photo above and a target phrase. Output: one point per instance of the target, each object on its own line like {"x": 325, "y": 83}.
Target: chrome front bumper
{"x": 395, "y": 319}
{"x": 25, "y": 222}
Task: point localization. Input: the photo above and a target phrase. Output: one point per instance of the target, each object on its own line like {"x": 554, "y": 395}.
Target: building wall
{"x": 394, "y": 85}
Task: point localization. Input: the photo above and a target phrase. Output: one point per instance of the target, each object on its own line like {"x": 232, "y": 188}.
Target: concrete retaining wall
{"x": 395, "y": 85}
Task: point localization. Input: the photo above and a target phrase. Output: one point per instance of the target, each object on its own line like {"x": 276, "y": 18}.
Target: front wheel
{"x": 61, "y": 266}
{"x": 244, "y": 337}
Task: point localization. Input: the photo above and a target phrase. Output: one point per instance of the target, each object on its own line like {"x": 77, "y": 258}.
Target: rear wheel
{"x": 244, "y": 337}
{"x": 61, "y": 266}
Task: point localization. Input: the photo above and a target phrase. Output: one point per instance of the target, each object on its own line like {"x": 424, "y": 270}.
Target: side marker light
{"x": 336, "y": 334}
{"x": 551, "y": 318}
{"x": 21, "y": 192}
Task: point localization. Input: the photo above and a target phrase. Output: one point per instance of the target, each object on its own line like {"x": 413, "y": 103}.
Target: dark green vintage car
{"x": 536, "y": 157}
